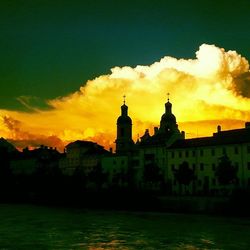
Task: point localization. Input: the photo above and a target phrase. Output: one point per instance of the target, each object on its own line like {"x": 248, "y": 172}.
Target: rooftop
{"x": 236, "y": 136}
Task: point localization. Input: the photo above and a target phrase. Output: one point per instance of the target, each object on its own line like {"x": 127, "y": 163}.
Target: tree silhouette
{"x": 151, "y": 173}
{"x": 225, "y": 172}
{"x": 97, "y": 176}
{"x": 184, "y": 175}
{"x": 5, "y": 172}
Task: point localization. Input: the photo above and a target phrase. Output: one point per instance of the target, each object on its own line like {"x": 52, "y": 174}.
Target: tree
{"x": 97, "y": 176}
{"x": 152, "y": 174}
{"x": 184, "y": 175}
{"x": 5, "y": 172}
{"x": 225, "y": 172}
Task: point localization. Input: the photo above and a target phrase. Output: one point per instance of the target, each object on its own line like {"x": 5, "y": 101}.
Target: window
{"x": 248, "y": 165}
{"x": 136, "y": 162}
{"x": 199, "y": 182}
{"x": 236, "y": 150}
{"x": 201, "y": 152}
{"x": 172, "y": 154}
{"x": 213, "y": 167}
{"x": 213, "y": 152}
{"x": 186, "y": 153}
{"x": 180, "y": 154}
{"x": 122, "y": 162}
{"x": 248, "y": 149}
{"x": 193, "y": 152}
{"x": 172, "y": 167}
{"x": 201, "y": 166}
{"x": 114, "y": 162}
{"x": 214, "y": 181}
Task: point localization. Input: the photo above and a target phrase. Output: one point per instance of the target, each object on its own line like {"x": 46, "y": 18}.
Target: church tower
{"x": 124, "y": 142}
{"x": 168, "y": 121}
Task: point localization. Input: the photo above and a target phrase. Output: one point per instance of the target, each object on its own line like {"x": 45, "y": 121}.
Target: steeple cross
{"x": 124, "y": 99}
{"x": 168, "y": 96}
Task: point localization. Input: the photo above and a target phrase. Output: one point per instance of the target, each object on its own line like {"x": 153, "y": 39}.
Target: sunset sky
{"x": 65, "y": 66}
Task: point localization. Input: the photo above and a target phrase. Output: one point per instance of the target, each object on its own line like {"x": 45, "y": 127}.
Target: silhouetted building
{"x": 166, "y": 134}
{"x": 155, "y": 161}
{"x": 124, "y": 142}
{"x": 82, "y": 155}
{"x": 132, "y": 158}
{"x": 160, "y": 155}
{"x": 28, "y": 161}
{"x": 116, "y": 167}
{"x": 203, "y": 155}
{"x": 7, "y": 152}
{"x": 6, "y": 146}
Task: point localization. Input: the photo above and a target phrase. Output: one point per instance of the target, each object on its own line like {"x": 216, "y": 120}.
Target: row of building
{"x": 167, "y": 149}
{"x": 163, "y": 151}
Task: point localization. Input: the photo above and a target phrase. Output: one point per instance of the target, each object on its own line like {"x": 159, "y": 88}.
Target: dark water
{"x": 31, "y": 227}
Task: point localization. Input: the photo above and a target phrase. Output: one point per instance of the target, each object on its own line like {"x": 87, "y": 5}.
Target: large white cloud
{"x": 213, "y": 86}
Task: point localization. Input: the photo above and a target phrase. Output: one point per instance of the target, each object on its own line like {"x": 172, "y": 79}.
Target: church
{"x": 154, "y": 159}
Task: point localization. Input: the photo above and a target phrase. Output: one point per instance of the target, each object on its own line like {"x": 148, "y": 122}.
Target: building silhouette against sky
{"x": 167, "y": 149}
{"x": 154, "y": 161}
{"x": 124, "y": 142}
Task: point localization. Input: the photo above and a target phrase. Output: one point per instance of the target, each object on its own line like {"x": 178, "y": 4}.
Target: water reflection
{"x": 113, "y": 237}
{"x": 27, "y": 227}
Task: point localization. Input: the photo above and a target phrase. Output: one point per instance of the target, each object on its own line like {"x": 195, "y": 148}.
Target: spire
{"x": 138, "y": 139}
{"x": 168, "y": 106}
{"x": 124, "y": 140}
{"x": 124, "y": 99}
{"x": 124, "y": 107}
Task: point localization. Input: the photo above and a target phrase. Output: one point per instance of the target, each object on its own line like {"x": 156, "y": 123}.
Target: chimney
{"x": 183, "y": 134}
{"x": 25, "y": 149}
{"x": 218, "y": 129}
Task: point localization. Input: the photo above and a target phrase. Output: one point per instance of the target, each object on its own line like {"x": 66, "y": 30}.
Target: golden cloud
{"x": 212, "y": 89}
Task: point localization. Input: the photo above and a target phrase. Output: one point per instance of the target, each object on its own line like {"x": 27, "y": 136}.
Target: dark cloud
{"x": 242, "y": 84}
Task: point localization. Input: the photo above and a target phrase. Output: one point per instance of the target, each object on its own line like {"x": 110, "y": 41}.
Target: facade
{"x": 116, "y": 170}
{"x": 203, "y": 155}
{"x": 149, "y": 150}
{"x": 28, "y": 161}
{"x": 81, "y": 155}
{"x": 156, "y": 158}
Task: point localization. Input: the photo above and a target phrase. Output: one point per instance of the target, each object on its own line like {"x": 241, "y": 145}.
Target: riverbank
{"x": 237, "y": 204}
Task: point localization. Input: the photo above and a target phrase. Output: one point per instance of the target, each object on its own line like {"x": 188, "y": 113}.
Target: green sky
{"x": 51, "y": 48}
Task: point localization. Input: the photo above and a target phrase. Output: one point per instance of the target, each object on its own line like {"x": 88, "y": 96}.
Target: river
{"x": 36, "y": 227}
